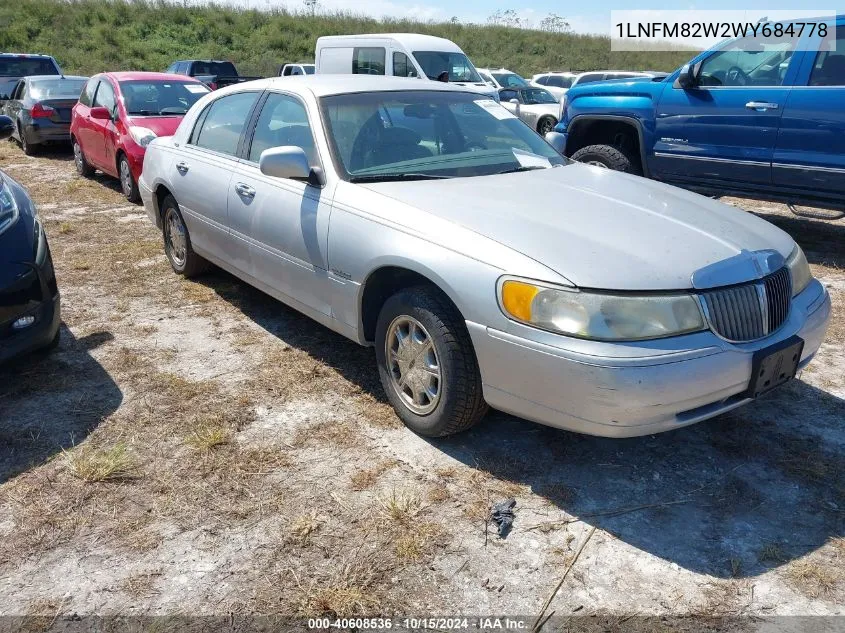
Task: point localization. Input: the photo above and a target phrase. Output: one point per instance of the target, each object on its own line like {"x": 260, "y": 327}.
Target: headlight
{"x": 8, "y": 207}
{"x": 562, "y": 107}
{"x": 799, "y": 270}
{"x": 142, "y": 135}
{"x": 600, "y": 316}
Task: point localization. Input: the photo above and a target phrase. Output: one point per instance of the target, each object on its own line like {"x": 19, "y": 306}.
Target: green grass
{"x": 89, "y": 36}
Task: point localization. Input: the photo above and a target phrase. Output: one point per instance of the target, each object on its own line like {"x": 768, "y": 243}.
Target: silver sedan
{"x": 485, "y": 269}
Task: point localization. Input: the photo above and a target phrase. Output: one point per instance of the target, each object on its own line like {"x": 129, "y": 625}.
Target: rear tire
{"x": 177, "y": 242}
{"x": 30, "y": 149}
{"x": 423, "y": 348}
{"x": 82, "y": 167}
{"x": 127, "y": 180}
{"x": 608, "y": 157}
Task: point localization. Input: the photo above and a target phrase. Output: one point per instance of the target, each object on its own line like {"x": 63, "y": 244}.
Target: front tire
{"x": 427, "y": 364}
{"x": 177, "y": 242}
{"x": 545, "y": 125}
{"x": 608, "y": 157}
{"x": 127, "y": 180}
{"x": 83, "y": 168}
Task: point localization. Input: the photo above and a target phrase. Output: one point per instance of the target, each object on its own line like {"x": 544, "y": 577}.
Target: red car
{"x": 117, "y": 116}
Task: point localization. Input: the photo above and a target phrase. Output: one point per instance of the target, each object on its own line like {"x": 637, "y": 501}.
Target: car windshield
{"x": 160, "y": 98}
{"x": 56, "y": 88}
{"x": 26, "y": 66}
{"x": 509, "y": 80}
{"x": 214, "y": 68}
{"x": 435, "y": 63}
{"x": 430, "y": 134}
{"x": 536, "y": 96}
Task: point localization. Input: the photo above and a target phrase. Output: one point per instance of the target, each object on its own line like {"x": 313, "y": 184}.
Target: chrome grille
{"x": 750, "y": 311}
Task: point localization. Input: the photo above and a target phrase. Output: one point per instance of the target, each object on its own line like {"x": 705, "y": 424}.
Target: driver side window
{"x": 747, "y": 62}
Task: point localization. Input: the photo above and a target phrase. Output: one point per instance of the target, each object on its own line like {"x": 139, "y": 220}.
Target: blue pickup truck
{"x": 744, "y": 118}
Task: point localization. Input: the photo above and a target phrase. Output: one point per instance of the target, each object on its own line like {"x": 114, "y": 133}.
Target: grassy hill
{"x": 89, "y": 36}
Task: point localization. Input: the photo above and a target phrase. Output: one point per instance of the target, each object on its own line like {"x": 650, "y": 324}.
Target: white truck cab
{"x": 398, "y": 55}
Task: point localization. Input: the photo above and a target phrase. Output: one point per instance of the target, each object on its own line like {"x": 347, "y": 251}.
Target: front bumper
{"x": 580, "y": 386}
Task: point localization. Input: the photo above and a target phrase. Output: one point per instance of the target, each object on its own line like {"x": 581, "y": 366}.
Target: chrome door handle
{"x": 182, "y": 167}
{"x": 245, "y": 190}
{"x": 761, "y": 106}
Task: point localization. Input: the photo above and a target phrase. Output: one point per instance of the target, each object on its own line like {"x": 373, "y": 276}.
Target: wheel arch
{"x": 586, "y": 129}
{"x": 388, "y": 278}
{"x": 160, "y": 192}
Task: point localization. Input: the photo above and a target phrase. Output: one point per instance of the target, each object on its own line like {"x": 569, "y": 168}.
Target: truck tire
{"x": 608, "y": 157}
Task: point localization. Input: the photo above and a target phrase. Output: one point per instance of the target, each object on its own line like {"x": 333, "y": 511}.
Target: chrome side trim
{"x": 710, "y": 159}
{"x": 832, "y": 170}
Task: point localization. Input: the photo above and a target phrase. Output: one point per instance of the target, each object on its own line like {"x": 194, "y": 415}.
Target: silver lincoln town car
{"x": 484, "y": 268}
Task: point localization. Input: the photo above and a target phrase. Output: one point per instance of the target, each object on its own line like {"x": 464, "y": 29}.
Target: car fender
{"x": 643, "y": 136}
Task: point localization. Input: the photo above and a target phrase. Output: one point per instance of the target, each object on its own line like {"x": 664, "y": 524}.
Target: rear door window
{"x": 402, "y": 66}
{"x": 87, "y": 96}
{"x": 368, "y": 60}
{"x": 220, "y": 127}
{"x": 829, "y": 67}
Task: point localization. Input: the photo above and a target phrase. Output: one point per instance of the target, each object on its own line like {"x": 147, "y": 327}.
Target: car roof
{"x": 52, "y": 77}
{"x": 327, "y": 85}
{"x": 133, "y": 75}
{"x": 412, "y": 41}
{"x": 38, "y": 55}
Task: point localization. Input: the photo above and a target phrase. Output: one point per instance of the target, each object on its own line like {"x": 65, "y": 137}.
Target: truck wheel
{"x": 608, "y": 157}
{"x": 427, "y": 364}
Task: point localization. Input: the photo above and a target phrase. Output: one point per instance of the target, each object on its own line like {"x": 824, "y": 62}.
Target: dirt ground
{"x": 199, "y": 448}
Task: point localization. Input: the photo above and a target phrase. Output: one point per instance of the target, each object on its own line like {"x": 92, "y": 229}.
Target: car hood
{"x": 162, "y": 126}
{"x": 603, "y": 229}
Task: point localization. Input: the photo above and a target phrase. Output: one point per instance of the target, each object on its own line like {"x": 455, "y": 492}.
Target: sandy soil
{"x": 199, "y": 448}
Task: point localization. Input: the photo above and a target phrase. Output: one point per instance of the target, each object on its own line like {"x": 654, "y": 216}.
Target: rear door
{"x": 810, "y": 152}
{"x": 724, "y": 130}
{"x": 200, "y": 176}
{"x": 104, "y": 132}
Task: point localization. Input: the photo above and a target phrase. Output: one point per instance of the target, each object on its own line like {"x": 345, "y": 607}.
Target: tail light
{"x": 40, "y": 111}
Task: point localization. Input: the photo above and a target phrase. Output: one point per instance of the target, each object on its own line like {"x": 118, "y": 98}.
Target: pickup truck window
{"x": 829, "y": 68}
{"x": 225, "y": 69}
{"x": 747, "y": 62}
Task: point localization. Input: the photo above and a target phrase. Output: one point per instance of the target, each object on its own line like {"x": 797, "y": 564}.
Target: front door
{"x": 284, "y": 221}
{"x": 725, "y": 128}
{"x": 810, "y": 152}
{"x": 201, "y": 174}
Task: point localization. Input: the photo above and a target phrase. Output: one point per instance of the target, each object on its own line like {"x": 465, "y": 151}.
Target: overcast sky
{"x": 591, "y": 17}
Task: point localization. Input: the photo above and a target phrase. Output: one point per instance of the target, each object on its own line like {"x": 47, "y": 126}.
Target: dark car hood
{"x": 17, "y": 243}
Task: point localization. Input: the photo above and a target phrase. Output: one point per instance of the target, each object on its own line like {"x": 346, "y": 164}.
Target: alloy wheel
{"x": 125, "y": 177}
{"x": 412, "y": 364}
{"x": 175, "y": 235}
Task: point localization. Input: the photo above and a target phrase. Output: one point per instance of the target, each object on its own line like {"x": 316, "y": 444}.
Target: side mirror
{"x": 688, "y": 77}
{"x": 285, "y": 162}
{"x": 515, "y": 104}
{"x": 558, "y": 141}
{"x": 7, "y": 126}
{"x": 101, "y": 113}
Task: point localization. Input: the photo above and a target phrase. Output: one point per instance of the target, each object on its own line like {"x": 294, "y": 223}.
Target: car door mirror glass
{"x": 285, "y": 162}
